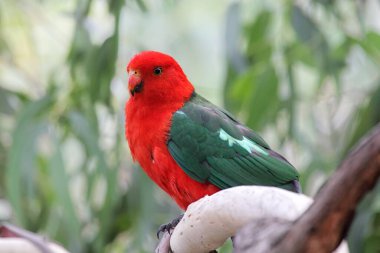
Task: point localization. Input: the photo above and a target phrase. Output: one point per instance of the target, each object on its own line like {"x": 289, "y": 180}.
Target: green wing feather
{"x": 210, "y": 145}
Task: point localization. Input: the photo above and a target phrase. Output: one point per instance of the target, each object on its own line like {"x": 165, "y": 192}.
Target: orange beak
{"x": 135, "y": 83}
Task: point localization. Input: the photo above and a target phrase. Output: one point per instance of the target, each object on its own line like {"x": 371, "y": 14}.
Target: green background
{"x": 303, "y": 74}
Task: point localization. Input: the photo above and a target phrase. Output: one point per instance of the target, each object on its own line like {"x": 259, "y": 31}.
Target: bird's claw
{"x": 168, "y": 227}
{"x": 164, "y": 228}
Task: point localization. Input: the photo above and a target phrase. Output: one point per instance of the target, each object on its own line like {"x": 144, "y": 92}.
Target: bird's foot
{"x": 168, "y": 227}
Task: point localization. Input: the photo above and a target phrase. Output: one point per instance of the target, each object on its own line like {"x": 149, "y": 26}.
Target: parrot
{"x": 187, "y": 145}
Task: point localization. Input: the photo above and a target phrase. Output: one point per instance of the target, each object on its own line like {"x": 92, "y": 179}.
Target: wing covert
{"x": 210, "y": 145}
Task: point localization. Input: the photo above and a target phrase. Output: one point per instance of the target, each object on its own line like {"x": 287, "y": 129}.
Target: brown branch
{"x": 323, "y": 226}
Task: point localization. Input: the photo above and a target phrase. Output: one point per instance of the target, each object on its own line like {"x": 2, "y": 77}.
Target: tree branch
{"x": 326, "y": 222}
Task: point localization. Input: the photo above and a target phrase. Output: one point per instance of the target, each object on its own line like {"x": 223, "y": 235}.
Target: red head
{"x": 157, "y": 77}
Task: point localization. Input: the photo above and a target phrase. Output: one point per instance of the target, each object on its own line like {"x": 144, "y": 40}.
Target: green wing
{"x": 210, "y": 145}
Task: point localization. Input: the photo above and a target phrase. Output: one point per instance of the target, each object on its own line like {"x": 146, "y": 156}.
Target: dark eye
{"x": 157, "y": 71}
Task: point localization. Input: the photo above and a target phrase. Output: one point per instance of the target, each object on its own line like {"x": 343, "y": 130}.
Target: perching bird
{"x": 189, "y": 146}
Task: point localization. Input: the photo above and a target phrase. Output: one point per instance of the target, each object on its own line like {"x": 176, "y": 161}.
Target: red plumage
{"x": 155, "y": 97}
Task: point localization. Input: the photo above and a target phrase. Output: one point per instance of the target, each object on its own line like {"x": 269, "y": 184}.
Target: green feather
{"x": 210, "y": 145}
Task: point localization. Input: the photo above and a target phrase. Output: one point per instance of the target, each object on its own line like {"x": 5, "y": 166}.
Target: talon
{"x": 168, "y": 226}
{"x": 161, "y": 229}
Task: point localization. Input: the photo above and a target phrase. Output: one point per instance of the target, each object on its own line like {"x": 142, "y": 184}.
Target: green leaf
{"x": 60, "y": 183}
{"x": 371, "y": 44}
{"x": 257, "y": 93}
{"x": 88, "y": 136}
{"x": 20, "y": 169}
{"x": 259, "y": 47}
{"x": 87, "y": 133}
{"x": 241, "y": 89}
{"x": 5, "y": 106}
{"x": 142, "y": 5}
{"x": 115, "y": 6}
{"x": 264, "y": 101}
{"x": 327, "y": 3}
{"x": 101, "y": 69}
{"x": 80, "y": 47}
{"x": 298, "y": 51}
{"x": 372, "y": 244}
{"x": 143, "y": 208}
{"x": 305, "y": 28}
{"x": 309, "y": 34}
{"x": 367, "y": 116}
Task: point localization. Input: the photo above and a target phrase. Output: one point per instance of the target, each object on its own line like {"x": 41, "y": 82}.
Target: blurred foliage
{"x": 81, "y": 207}
{"x": 304, "y": 74}
{"x": 267, "y": 90}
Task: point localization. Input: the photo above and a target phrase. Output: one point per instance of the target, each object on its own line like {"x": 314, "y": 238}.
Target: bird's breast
{"x": 147, "y": 132}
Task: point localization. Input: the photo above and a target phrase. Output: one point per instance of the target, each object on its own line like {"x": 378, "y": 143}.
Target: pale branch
{"x": 14, "y": 239}
{"x": 210, "y": 221}
{"x": 326, "y": 222}
{"x": 20, "y": 245}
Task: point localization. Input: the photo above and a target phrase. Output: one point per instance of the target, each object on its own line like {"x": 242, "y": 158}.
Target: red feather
{"x": 148, "y": 117}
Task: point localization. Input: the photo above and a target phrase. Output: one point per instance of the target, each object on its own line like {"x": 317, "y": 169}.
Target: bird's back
{"x": 211, "y": 146}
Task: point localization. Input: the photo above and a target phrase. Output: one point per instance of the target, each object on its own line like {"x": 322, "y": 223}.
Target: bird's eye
{"x": 157, "y": 71}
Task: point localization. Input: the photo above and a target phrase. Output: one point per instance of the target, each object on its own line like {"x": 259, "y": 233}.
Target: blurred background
{"x": 304, "y": 74}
